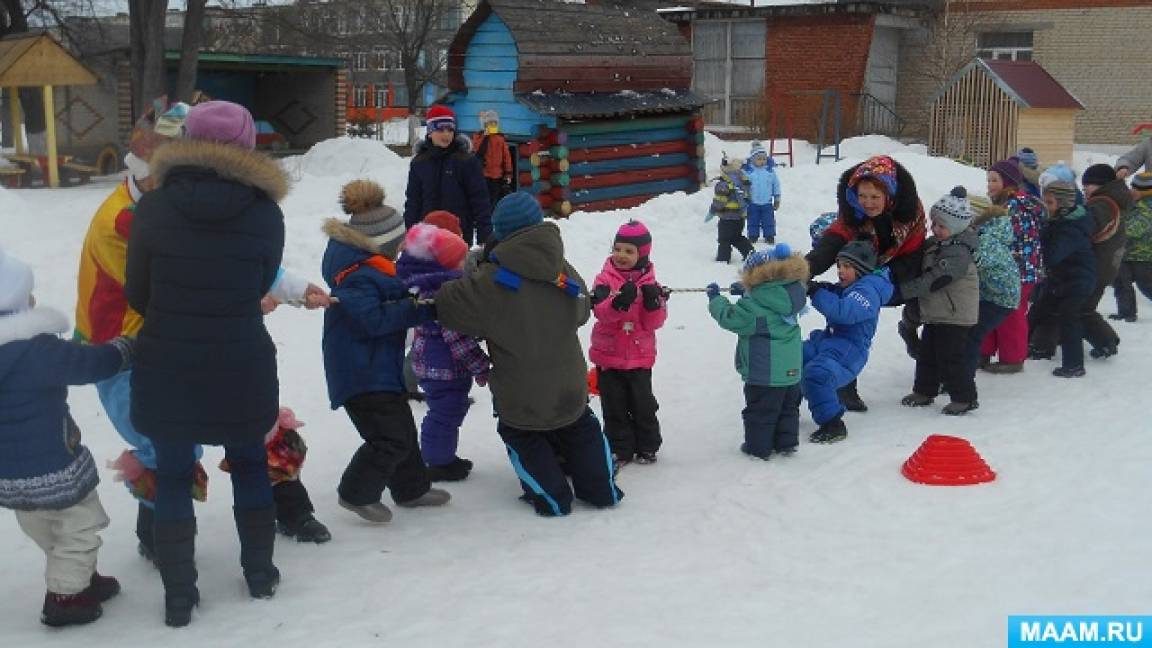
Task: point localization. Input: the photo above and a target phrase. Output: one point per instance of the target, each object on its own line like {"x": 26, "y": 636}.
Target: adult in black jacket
{"x": 877, "y": 201}
{"x": 204, "y": 249}
{"x": 445, "y": 174}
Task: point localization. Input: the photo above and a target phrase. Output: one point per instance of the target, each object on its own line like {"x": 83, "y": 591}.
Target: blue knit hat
{"x": 777, "y": 252}
{"x": 515, "y": 212}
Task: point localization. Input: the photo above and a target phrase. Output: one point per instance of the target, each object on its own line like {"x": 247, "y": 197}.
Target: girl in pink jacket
{"x": 629, "y": 306}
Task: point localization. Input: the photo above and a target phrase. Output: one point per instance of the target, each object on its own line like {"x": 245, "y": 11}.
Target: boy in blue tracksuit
{"x": 364, "y": 332}
{"x": 764, "y": 197}
{"x": 835, "y": 356}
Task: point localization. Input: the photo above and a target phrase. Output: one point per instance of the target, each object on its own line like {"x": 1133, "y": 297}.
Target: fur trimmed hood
{"x": 460, "y": 145}
{"x": 27, "y": 324}
{"x": 229, "y": 162}
{"x": 794, "y": 268}
{"x": 339, "y": 230}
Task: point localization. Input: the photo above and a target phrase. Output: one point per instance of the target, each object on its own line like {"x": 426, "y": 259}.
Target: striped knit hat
{"x": 1065, "y": 195}
{"x": 952, "y": 211}
{"x": 364, "y": 201}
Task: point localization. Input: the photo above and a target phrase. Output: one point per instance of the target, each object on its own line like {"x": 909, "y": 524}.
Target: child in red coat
{"x": 629, "y": 306}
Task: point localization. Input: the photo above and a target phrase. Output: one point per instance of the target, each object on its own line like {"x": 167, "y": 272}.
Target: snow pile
{"x": 343, "y": 156}
{"x": 9, "y": 201}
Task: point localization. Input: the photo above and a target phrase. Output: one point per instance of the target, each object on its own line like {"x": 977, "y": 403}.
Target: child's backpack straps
{"x": 379, "y": 262}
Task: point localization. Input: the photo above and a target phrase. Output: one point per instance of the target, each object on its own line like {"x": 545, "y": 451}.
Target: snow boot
{"x": 1121, "y": 317}
{"x": 305, "y": 529}
{"x": 916, "y": 400}
{"x": 830, "y": 432}
{"x": 102, "y": 588}
{"x": 375, "y": 512}
{"x": 746, "y": 450}
{"x": 618, "y": 462}
{"x": 1005, "y": 367}
{"x": 1068, "y": 372}
{"x": 1037, "y": 353}
{"x": 786, "y": 452}
{"x": 69, "y": 609}
{"x": 145, "y": 527}
{"x": 456, "y": 470}
{"x": 1103, "y": 352}
{"x": 257, "y": 531}
{"x": 645, "y": 458}
{"x": 911, "y": 339}
{"x": 432, "y": 497}
{"x": 850, "y": 399}
{"x": 176, "y": 558}
{"x": 956, "y": 408}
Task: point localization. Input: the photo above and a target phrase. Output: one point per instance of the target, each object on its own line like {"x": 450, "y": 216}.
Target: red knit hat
{"x": 425, "y": 241}
{"x": 445, "y": 220}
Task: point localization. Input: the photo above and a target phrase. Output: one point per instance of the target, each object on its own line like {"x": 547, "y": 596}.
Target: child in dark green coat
{"x": 768, "y": 355}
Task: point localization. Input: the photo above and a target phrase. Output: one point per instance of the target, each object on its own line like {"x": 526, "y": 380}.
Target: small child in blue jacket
{"x": 764, "y": 198}
{"x": 364, "y": 334}
{"x": 46, "y": 475}
{"x": 836, "y": 355}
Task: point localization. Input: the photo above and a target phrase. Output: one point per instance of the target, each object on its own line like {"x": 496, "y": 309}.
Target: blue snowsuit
{"x": 765, "y": 191}
{"x": 835, "y": 356}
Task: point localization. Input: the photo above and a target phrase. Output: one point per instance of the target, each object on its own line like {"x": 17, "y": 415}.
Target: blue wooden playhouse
{"x": 596, "y": 98}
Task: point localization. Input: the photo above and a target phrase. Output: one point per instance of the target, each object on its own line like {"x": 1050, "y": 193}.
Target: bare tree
{"x": 146, "y": 43}
{"x": 409, "y": 28}
{"x": 191, "y": 41}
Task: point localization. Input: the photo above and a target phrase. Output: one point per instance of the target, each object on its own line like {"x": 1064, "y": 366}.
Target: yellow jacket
{"x": 102, "y": 312}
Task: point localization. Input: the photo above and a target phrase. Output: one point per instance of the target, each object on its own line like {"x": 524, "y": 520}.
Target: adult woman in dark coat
{"x": 204, "y": 249}
{"x": 446, "y": 174}
{"x": 877, "y": 202}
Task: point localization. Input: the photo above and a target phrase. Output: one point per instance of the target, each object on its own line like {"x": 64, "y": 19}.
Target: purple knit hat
{"x": 637, "y": 234}
{"x": 1009, "y": 173}
{"x": 223, "y": 122}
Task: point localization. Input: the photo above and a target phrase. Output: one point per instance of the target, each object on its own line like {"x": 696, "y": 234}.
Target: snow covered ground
{"x": 832, "y": 547}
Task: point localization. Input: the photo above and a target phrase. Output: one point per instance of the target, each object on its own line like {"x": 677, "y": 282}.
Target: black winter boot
{"x": 257, "y": 531}
{"x": 175, "y": 544}
{"x": 850, "y": 398}
{"x": 830, "y": 432}
{"x": 145, "y": 527}
{"x": 69, "y": 609}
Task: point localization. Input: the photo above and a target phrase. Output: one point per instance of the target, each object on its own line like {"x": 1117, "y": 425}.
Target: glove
{"x": 651, "y": 294}
{"x": 600, "y": 293}
{"x": 813, "y": 286}
{"x": 736, "y": 289}
{"x": 775, "y": 204}
{"x": 127, "y": 348}
{"x": 627, "y": 295}
{"x": 482, "y": 379}
{"x": 712, "y": 290}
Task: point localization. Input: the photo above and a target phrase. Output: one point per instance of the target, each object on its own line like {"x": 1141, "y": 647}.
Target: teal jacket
{"x": 769, "y": 352}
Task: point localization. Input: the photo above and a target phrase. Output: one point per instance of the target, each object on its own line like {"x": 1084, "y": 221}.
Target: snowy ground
{"x": 832, "y": 547}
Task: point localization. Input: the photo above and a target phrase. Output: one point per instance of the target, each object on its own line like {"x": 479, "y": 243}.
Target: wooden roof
{"x": 561, "y": 36}
{"x": 36, "y": 60}
{"x": 1025, "y": 82}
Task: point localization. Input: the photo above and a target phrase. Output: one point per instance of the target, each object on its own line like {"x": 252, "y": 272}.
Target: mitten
{"x": 651, "y": 294}
{"x": 736, "y": 289}
{"x": 600, "y": 293}
{"x": 627, "y": 295}
{"x": 712, "y": 290}
{"x": 127, "y": 348}
{"x": 775, "y": 204}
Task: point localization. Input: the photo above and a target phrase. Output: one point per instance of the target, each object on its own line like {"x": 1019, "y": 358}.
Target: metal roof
{"x": 1031, "y": 84}
{"x": 574, "y": 105}
{"x": 261, "y": 59}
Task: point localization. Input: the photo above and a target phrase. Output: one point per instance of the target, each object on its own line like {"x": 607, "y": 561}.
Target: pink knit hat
{"x": 432, "y": 243}
{"x": 223, "y": 122}
{"x": 637, "y": 234}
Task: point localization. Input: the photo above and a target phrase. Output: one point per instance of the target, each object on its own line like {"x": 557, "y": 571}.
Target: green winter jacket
{"x": 1138, "y": 224}
{"x": 999, "y": 274}
{"x": 769, "y": 351}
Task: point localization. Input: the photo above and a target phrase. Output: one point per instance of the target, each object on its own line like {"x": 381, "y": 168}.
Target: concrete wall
{"x": 301, "y": 104}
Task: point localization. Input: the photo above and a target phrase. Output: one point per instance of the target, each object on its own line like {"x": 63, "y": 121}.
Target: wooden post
{"x": 50, "y": 140}
{"x": 17, "y": 121}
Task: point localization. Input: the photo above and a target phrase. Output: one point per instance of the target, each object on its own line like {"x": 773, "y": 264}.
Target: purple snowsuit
{"x": 444, "y": 361}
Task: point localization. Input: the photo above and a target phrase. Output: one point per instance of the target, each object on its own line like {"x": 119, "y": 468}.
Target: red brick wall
{"x": 807, "y": 53}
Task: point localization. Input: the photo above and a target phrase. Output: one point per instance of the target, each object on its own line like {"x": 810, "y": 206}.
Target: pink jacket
{"x": 625, "y": 340}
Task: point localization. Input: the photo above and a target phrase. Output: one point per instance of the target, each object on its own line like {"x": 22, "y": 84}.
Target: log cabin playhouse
{"x": 596, "y": 99}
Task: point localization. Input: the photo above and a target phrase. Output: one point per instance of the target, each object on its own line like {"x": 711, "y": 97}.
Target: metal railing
{"x": 874, "y": 117}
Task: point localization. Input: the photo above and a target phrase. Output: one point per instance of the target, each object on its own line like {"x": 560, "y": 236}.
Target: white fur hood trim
{"x": 26, "y": 325}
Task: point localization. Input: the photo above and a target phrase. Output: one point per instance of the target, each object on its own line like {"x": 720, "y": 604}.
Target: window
{"x": 729, "y": 65}
{"x": 380, "y": 57}
{"x": 360, "y": 61}
{"x": 360, "y": 96}
{"x": 450, "y": 19}
{"x": 1005, "y": 46}
{"x": 381, "y": 96}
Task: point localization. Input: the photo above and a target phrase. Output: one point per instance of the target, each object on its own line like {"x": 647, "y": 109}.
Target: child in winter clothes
{"x": 1029, "y": 166}
{"x": 1070, "y": 266}
{"x": 48, "y": 478}
{"x": 730, "y": 204}
{"x": 999, "y": 277}
{"x": 1137, "y": 265}
{"x": 765, "y": 194}
{"x": 835, "y": 356}
{"x": 444, "y": 361}
{"x": 364, "y": 355}
{"x": 527, "y": 301}
{"x": 624, "y": 344}
{"x": 492, "y": 148}
{"x": 948, "y": 291}
{"x": 1009, "y": 340}
{"x": 768, "y": 355}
